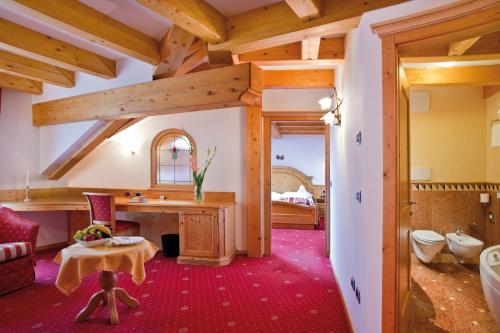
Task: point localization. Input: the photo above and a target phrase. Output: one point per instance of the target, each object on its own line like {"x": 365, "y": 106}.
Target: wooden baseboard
{"x": 241, "y": 252}
{"x": 293, "y": 226}
{"x": 51, "y": 246}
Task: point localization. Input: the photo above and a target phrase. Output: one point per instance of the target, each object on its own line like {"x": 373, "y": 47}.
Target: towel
{"x": 495, "y": 135}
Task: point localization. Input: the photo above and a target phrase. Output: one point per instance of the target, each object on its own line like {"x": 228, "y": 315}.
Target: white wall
{"x": 356, "y": 237}
{"x": 55, "y": 139}
{"x": 19, "y": 143}
{"x": 293, "y": 99}
{"x": 303, "y": 152}
{"x": 111, "y": 165}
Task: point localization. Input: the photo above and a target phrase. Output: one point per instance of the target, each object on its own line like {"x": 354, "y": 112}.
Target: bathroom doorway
{"x": 425, "y": 37}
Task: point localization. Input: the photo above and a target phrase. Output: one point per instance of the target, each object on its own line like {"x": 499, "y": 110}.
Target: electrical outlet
{"x": 358, "y": 196}
{"x": 358, "y": 295}
{"x": 353, "y": 284}
{"x": 358, "y": 138}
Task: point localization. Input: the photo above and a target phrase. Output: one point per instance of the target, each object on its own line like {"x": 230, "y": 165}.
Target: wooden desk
{"x": 206, "y": 230}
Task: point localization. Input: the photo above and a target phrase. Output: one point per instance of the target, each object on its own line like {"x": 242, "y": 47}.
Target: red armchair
{"x": 17, "y": 245}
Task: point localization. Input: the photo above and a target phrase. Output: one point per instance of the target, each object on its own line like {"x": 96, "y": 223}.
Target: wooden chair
{"x": 102, "y": 211}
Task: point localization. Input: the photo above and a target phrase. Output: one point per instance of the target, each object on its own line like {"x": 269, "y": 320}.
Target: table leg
{"x": 125, "y": 298}
{"x": 94, "y": 302}
{"x": 107, "y": 296}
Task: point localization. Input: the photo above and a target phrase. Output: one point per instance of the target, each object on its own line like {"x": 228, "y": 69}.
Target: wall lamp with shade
{"x": 332, "y": 104}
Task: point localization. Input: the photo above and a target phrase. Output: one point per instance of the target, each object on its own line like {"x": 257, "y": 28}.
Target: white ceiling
{"x": 232, "y": 7}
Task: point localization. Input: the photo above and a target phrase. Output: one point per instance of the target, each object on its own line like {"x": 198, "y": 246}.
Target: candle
{"x": 27, "y": 178}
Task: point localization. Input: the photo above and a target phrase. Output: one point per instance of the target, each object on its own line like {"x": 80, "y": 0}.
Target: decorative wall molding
{"x": 446, "y": 186}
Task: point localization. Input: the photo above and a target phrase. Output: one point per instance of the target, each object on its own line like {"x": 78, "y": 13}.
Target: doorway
{"x": 296, "y": 124}
{"x": 404, "y": 38}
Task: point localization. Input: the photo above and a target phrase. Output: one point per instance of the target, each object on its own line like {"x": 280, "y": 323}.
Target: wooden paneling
{"x": 35, "y": 70}
{"x": 212, "y": 89}
{"x": 20, "y": 84}
{"x": 277, "y": 24}
{"x": 83, "y": 21}
{"x": 305, "y": 9}
{"x": 196, "y": 16}
{"x": 331, "y": 50}
{"x": 23, "y": 41}
{"x": 254, "y": 175}
{"x": 310, "y": 48}
{"x": 459, "y": 48}
{"x": 174, "y": 47}
{"x": 290, "y": 79}
{"x": 489, "y": 91}
{"x": 83, "y": 146}
{"x": 472, "y": 75}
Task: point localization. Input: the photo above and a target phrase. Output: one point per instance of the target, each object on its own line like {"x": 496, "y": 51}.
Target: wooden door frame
{"x": 267, "y": 118}
{"x": 446, "y": 24}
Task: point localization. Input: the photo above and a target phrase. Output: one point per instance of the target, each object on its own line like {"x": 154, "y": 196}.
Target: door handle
{"x": 410, "y": 202}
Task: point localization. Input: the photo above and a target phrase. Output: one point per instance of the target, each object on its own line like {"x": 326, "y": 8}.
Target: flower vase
{"x": 198, "y": 193}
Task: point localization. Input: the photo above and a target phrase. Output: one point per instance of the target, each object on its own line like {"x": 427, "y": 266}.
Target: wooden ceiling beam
{"x": 277, "y": 24}
{"x": 174, "y": 48}
{"x": 470, "y": 75}
{"x": 298, "y": 79}
{"x": 310, "y": 48}
{"x": 21, "y": 84}
{"x": 217, "y": 88}
{"x": 459, "y": 48}
{"x": 86, "y": 22}
{"x": 17, "y": 39}
{"x": 489, "y": 91}
{"x": 305, "y": 9}
{"x": 35, "y": 70}
{"x": 275, "y": 132}
{"x": 194, "y": 61}
{"x": 92, "y": 138}
{"x": 462, "y": 58}
{"x": 196, "y": 16}
{"x": 329, "y": 49}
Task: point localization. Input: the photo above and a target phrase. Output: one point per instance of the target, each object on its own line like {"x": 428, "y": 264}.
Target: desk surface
{"x": 122, "y": 204}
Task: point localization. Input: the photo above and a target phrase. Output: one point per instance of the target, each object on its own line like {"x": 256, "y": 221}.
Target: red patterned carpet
{"x": 291, "y": 291}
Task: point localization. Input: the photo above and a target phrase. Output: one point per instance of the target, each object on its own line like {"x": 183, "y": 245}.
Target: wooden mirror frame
{"x": 160, "y": 137}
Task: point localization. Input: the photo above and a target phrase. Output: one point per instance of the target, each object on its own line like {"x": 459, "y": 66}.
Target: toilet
{"x": 426, "y": 244}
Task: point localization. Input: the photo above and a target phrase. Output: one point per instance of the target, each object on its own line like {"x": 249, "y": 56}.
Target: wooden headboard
{"x": 288, "y": 179}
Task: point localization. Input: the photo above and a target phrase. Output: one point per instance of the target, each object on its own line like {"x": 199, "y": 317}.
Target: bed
{"x": 289, "y": 208}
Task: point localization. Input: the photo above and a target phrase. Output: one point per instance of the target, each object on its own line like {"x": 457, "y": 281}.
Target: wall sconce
{"x": 280, "y": 157}
{"x": 332, "y": 104}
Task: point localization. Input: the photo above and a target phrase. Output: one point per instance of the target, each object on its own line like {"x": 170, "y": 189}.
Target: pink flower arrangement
{"x": 199, "y": 173}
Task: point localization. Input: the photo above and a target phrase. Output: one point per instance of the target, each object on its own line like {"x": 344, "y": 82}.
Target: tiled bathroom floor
{"x": 448, "y": 298}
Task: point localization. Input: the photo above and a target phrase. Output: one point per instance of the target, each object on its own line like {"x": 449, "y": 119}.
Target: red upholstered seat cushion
{"x": 125, "y": 225}
{"x": 10, "y": 251}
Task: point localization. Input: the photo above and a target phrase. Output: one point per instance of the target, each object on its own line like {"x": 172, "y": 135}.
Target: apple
{"x": 89, "y": 238}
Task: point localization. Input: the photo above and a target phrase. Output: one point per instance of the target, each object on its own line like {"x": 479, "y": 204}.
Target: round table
{"x": 78, "y": 261}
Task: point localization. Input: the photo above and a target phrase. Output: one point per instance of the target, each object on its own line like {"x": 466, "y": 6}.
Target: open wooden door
{"x": 404, "y": 202}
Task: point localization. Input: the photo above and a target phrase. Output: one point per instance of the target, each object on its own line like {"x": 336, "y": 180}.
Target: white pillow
{"x": 303, "y": 191}
{"x": 302, "y": 195}
{"x": 275, "y": 196}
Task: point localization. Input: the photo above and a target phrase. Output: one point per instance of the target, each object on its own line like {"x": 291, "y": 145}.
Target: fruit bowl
{"x": 93, "y": 243}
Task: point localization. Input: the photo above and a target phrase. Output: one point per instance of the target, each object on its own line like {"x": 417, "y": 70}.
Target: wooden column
{"x": 255, "y": 240}
{"x": 254, "y": 173}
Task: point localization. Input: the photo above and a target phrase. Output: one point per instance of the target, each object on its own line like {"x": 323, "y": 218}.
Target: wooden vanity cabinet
{"x": 206, "y": 236}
